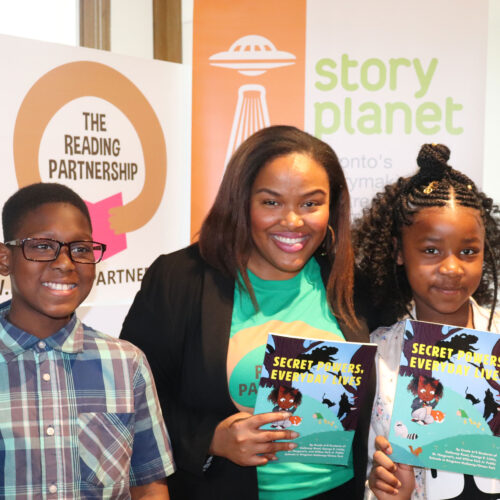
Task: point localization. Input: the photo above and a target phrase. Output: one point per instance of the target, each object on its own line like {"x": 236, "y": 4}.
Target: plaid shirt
{"x": 79, "y": 416}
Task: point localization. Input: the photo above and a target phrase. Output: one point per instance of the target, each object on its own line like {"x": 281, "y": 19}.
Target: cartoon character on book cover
{"x": 448, "y": 376}
{"x": 321, "y": 383}
{"x": 286, "y": 399}
{"x": 427, "y": 391}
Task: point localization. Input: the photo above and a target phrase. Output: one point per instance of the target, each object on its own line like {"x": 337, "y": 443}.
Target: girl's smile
{"x": 443, "y": 252}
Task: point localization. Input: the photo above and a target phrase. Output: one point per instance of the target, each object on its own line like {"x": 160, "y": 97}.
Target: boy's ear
{"x": 5, "y": 260}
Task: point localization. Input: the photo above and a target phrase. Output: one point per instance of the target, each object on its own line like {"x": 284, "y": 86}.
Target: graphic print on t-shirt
{"x": 246, "y": 352}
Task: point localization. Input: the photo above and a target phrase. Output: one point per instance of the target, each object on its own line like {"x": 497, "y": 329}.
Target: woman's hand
{"x": 240, "y": 439}
{"x": 389, "y": 480}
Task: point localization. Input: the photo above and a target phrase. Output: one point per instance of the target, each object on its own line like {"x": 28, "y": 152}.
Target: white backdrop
{"x": 380, "y": 84}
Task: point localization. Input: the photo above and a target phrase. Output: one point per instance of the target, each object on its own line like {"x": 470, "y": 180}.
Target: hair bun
{"x": 433, "y": 160}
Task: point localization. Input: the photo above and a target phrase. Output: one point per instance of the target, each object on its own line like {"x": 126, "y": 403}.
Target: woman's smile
{"x": 290, "y": 242}
{"x": 289, "y": 213}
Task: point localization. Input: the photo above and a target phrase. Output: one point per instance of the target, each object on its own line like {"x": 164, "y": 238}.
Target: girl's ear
{"x": 5, "y": 260}
{"x": 398, "y": 254}
{"x": 399, "y": 258}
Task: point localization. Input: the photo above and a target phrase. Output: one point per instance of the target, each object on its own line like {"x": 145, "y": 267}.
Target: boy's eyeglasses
{"x": 47, "y": 249}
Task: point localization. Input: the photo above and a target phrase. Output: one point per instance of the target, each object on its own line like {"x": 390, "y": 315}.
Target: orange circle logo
{"x": 91, "y": 79}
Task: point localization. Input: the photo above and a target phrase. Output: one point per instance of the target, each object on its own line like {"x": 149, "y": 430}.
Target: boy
{"x": 79, "y": 414}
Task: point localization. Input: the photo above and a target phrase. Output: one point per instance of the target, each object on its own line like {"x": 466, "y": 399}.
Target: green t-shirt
{"x": 294, "y": 307}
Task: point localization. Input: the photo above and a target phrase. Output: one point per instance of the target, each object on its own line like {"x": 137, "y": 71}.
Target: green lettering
{"x": 382, "y": 74}
{"x": 428, "y": 112}
{"x": 322, "y": 70}
{"x": 346, "y": 64}
{"x": 374, "y": 118}
{"x": 424, "y": 78}
{"x": 450, "y": 108}
{"x": 332, "y": 110}
{"x": 348, "y": 116}
{"x": 393, "y": 70}
{"x": 390, "y": 109}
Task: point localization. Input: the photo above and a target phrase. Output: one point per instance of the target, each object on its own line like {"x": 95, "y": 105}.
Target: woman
{"x": 274, "y": 255}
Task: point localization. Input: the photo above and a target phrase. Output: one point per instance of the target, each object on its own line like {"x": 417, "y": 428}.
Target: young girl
{"x": 429, "y": 249}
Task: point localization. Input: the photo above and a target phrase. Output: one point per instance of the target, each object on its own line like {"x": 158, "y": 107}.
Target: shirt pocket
{"x": 105, "y": 447}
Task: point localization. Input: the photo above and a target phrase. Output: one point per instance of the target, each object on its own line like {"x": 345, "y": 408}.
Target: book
{"x": 446, "y": 409}
{"x": 323, "y": 384}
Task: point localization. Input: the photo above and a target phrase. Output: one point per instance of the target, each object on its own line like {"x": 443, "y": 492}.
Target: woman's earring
{"x": 328, "y": 244}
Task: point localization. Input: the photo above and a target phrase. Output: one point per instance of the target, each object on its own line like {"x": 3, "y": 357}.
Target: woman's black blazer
{"x": 181, "y": 319}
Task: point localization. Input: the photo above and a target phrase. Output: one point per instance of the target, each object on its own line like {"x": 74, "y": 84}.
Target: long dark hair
{"x": 434, "y": 184}
{"x": 225, "y": 238}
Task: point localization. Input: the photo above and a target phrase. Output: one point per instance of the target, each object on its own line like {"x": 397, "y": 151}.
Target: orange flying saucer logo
{"x": 248, "y": 74}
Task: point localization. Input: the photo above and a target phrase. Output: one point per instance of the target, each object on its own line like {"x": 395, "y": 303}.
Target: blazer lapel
{"x": 216, "y": 316}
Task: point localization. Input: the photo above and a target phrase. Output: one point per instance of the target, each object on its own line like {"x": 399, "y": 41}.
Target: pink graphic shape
{"x": 102, "y": 232}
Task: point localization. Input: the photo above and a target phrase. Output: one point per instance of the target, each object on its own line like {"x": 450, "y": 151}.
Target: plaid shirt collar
{"x": 14, "y": 341}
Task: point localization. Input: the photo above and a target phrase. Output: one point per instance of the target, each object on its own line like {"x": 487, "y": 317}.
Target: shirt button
{"x": 41, "y": 344}
{"x": 50, "y": 431}
{"x": 46, "y": 377}
{"x": 52, "y": 488}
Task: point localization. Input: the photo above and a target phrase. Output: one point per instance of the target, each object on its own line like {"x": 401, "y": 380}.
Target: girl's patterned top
{"x": 390, "y": 342}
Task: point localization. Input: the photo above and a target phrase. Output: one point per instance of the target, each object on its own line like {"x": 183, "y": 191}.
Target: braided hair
{"x": 380, "y": 226}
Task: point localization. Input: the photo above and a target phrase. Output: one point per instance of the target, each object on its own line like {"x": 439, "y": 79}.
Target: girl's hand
{"x": 240, "y": 439}
{"x": 389, "y": 480}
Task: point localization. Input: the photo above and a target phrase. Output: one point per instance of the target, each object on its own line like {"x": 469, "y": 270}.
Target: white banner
{"x": 113, "y": 128}
{"x": 382, "y": 78}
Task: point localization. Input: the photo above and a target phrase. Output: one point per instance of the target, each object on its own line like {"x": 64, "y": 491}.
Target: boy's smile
{"x": 45, "y": 294}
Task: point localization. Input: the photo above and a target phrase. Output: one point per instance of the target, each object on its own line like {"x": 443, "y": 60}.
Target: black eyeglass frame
{"x": 20, "y": 243}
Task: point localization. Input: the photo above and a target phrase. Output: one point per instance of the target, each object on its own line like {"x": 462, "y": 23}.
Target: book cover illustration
{"x": 447, "y": 406}
{"x": 322, "y": 383}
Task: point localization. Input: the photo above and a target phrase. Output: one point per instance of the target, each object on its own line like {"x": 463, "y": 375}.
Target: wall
{"x": 132, "y": 28}
{"x": 491, "y": 166}
{"x": 50, "y": 21}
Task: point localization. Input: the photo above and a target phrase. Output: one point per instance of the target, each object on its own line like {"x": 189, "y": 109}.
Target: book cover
{"x": 322, "y": 383}
{"x": 447, "y": 406}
